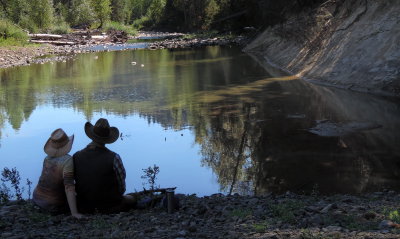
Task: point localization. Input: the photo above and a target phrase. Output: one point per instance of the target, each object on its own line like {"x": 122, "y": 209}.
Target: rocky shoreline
{"x": 366, "y": 216}
{"x": 18, "y": 56}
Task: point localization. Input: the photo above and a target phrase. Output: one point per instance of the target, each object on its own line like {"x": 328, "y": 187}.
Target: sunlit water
{"x": 212, "y": 119}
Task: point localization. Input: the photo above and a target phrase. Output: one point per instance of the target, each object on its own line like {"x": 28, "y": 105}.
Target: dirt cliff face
{"x": 352, "y": 44}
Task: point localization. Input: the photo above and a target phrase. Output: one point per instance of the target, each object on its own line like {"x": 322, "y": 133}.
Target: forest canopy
{"x": 59, "y": 16}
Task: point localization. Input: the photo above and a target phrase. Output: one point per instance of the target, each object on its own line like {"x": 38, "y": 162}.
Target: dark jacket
{"x": 95, "y": 179}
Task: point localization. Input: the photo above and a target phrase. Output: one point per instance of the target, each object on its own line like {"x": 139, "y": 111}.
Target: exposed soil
{"x": 351, "y": 44}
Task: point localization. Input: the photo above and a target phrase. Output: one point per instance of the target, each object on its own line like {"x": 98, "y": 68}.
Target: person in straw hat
{"x": 99, "y": 172}
{"x": 55, "y": 191}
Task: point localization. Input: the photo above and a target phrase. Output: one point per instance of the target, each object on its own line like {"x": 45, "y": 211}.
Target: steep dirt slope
{"x": 353, "y": 44}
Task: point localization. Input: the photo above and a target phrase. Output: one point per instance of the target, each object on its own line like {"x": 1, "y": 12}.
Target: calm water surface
{"x": 212, "y": 119}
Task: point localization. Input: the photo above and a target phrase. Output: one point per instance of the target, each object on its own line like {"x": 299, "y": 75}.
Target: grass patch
{"x": 34, "y": 215}
{"x": 261, "y": 227}
{"x": 392, "y": 214}
{"x": 108, "y": 26}
{"x": 100, "y": 223}
{"x": 11, "y": 34}
{"x": 241, "y": 213}
{"x": 286, "y": 211}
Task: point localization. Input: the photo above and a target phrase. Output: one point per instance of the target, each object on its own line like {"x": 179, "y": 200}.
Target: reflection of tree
{"x": 224, "y": 146}
{"x": 283, "y": 156}
{"x": 250, "y": 128}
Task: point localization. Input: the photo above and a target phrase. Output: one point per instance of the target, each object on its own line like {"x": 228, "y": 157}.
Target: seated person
{"x": 99, "y": 173}
{"x": 55, "y": 191}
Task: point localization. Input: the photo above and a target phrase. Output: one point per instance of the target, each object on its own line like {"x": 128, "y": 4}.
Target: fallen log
{"x": 151, "y": 191}
{"x": 45, "y": 36}
{"x": 59, "y": 43}
{"x": 99, "y": 37}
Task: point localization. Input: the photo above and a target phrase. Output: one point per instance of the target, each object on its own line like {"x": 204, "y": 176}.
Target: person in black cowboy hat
{"x": 99, "y": 173}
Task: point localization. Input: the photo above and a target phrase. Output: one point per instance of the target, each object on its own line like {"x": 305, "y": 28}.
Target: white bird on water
{"x": 142, "y": 65}
{"x": 133, "y": 63}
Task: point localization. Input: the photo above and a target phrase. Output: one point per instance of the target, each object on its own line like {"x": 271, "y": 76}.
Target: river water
{"x": 213, "y": 120}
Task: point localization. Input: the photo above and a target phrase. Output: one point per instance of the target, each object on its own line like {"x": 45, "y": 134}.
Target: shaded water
{"x": 212, "y": 119}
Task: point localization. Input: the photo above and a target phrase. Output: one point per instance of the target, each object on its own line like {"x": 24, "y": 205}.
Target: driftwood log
{"x": 151, "y": 191}
{"x": 80, "y": 38}
{"x": 58, "y": 43}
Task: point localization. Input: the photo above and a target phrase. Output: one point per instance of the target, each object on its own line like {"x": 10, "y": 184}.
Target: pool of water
{"x": 212, "y": 119}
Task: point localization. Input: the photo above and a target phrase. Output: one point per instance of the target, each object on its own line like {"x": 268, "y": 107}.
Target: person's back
{"x": 99, "y": 173}
{"x": 55, "y": 191}
{"x": 96, "y": 185}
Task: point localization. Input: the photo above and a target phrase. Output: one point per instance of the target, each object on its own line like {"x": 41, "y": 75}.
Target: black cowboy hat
{"x": 101, "y": 132}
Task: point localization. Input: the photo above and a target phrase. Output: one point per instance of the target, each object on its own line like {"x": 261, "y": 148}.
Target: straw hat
{"x": 58, "y": 144}
{"x": 101, "y": 132}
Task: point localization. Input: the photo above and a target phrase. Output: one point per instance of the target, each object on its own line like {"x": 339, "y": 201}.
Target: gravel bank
{"x": 219, "y": 216}
{"x": 17, "y": 56}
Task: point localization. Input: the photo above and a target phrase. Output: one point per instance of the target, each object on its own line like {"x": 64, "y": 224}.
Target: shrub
{"x": 141, "y": 22}
{"x": 60, "y": 28}
{"x": 119, "y": 27}
{"x": 11, "y": 33}
{"x": 150, "y": 174}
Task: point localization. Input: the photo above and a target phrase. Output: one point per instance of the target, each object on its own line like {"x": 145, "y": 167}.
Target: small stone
{"x": 312, "y": 209}
{"x": 328, "y": 208}
{"x": 369, "y": 215}
{"x": 6, "y": 234}
{"x": 192, "y": 229}
{"x": 385, "y": 224}
{"x": 182, "y": 233}
{"x": 332, "y": 229}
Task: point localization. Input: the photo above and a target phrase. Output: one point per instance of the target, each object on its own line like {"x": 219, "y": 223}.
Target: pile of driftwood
{"x": 80, "y": 38}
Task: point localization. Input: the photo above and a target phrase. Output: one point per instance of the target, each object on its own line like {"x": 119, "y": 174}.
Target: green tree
{"x": 81, "y": 13}
{"x": 156, "y": 11}
{"x": 41, "y": 13}
{"x": 102, "y": 10}
{"x": 120, "y": 11}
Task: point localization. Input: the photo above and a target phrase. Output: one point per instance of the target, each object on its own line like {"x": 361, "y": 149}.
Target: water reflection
{"x": 251, "y": 129}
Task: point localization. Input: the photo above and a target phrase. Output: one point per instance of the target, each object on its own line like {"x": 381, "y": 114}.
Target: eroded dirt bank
{"x": 352, "y": 44}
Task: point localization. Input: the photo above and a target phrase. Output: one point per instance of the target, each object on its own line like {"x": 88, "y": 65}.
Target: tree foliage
{"x": 179, "y": 15}
{"x": 102, "y": 10}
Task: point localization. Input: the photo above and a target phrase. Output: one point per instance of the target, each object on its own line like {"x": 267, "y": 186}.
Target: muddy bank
{"x": 349, "y": 44}
{"x": 217, "y": 216}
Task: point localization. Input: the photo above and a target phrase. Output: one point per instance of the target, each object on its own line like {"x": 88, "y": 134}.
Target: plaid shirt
{"x": 120, "y": 172}
{"x": 118, "y": 168}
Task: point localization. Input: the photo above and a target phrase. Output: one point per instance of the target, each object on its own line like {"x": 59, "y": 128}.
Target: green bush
{"x": 141, "y": 22}
{"x": 119, "y": 27}
{"x": 61, "y": 27}
{"x": 11, "y": 33}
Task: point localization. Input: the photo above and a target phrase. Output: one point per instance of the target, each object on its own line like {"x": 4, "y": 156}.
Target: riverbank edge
{"x": 39, "y": 54}
{"x": 220, "y": 216}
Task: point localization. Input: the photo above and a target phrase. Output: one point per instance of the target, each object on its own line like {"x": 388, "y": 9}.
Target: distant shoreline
{"x": 40, "y": 54}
